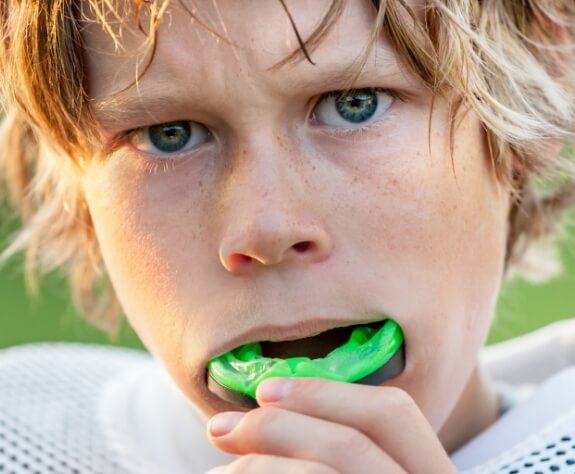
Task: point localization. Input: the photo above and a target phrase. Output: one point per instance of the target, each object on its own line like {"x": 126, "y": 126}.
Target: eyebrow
{"x": 340, "y": 71}
{"x": 127, "y": 107}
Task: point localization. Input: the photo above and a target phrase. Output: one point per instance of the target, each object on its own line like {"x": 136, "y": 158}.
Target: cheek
{"x": 434, "y": 222}
{"x": 140, "y": 230}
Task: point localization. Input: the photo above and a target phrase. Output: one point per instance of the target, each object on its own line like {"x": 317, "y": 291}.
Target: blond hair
{"x": 512, "y": 62}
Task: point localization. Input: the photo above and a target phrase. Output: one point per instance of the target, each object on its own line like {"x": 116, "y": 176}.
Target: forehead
{"x": 214, "y": 41}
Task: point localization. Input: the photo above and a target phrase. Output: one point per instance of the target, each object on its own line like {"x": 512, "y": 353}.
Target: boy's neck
{"x": 477, "y": 408}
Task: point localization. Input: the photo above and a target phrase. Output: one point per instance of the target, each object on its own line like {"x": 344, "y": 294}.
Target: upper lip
{"x": 299, "y": 330}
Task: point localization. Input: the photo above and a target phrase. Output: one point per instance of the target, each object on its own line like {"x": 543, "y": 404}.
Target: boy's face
{"x": 291, "y": 210}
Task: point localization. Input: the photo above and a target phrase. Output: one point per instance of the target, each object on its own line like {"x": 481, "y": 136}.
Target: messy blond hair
{"x": 511, "y": 61}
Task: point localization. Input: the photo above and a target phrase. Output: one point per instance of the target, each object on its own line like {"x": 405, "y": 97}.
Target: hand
{"x": 321, "y": 426}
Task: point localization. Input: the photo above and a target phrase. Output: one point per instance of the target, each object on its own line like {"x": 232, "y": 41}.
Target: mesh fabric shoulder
{"x": 536, "y": 436}
{"x": 48, "y": 407}
{"x": 548, "y": 451}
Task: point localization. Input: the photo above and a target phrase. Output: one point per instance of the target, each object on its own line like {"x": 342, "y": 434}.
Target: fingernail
{"x": 223, "y": 423}
{"x": 274, "y": 389}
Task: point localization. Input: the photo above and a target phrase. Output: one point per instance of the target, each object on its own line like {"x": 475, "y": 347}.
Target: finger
{"x": 271, "y": 430}
{"x": 387, "y": 415}
{"x": 265, "y": 464}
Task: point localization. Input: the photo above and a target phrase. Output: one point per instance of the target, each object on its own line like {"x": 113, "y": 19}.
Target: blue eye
{"x": 170, "y": 137}
{"x": 345, "y": 108}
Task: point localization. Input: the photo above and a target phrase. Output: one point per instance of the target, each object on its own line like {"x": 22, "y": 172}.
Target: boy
{"x": 237, "y": 185}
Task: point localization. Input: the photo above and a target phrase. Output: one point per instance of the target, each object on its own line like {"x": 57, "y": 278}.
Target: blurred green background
{"x": 51, "y": 317}
{"x": 522, "y": 306}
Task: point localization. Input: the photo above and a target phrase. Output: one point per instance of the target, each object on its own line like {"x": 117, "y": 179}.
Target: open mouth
{"x": 367, "y": 353}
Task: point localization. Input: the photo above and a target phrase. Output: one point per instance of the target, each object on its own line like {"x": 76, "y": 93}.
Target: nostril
{"x": 302, "y": 246}
{"x": 238, "y": 258}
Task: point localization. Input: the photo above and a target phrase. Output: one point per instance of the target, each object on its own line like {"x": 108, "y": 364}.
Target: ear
{"x": 546, "y": 156}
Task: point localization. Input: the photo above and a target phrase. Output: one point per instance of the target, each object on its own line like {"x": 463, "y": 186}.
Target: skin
{"x": 200, "y": 251}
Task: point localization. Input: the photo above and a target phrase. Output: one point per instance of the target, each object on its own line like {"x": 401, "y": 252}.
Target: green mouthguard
{"x": 242, "y": 369}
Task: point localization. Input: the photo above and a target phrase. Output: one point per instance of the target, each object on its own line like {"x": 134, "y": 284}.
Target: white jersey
{"x": 70, "y": 408}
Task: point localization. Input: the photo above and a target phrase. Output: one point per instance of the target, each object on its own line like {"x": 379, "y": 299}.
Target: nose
{"x": 272, "y": 221}
{"x": 274, "y": 243}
